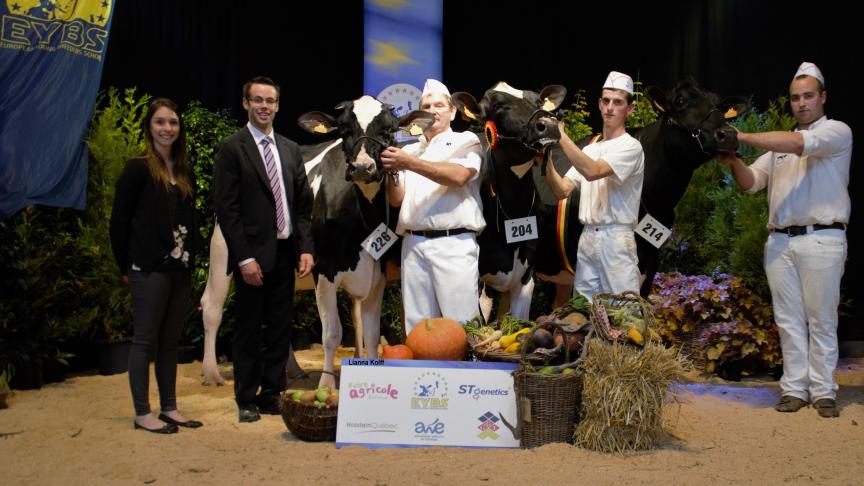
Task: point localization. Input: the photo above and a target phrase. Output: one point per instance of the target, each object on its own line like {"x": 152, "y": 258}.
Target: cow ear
{"x": 467, "y": 106}
{"x": 317, "y": 123}
{"x": 657, "y": 98}
{"x": 416, "y": 122}
{"x": 551, "y": 97}
{"x": 734, "y": 106}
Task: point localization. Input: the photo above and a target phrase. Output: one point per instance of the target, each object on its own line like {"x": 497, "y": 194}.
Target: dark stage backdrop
{"x": 205, "y": 50}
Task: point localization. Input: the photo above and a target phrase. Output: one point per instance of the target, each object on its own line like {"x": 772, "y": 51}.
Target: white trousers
{"x": 440, "y": 278}
{"x": 804, "y": 275}
{"x": 606, "y": 260}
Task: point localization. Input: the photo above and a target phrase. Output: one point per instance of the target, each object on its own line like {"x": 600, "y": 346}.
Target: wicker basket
{"x": 499, "y": 355}
{"x": 600, "y": 320}
{"x": 547, "y": 407}
{"x": 308, "y": 422}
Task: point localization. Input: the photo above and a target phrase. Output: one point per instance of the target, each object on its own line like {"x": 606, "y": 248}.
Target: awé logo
{"x": 430, "y": 392}
{"x": 430, "y": 431}
{"x": 488, "y": 427}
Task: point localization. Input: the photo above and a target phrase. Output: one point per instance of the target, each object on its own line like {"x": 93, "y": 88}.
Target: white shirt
{"x": 258, "y": 136}
{"x": 428, "y": 205}
{"x": 613, "y": 199}
{"x": 811, "y": 188}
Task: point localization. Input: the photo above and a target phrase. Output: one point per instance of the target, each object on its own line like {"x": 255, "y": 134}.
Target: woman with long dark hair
{"x": 154, "y": 237}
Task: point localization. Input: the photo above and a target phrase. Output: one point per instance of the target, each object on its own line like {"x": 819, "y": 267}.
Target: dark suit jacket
{"x": 143, "y": 218}
{"x": 245, "y": 208}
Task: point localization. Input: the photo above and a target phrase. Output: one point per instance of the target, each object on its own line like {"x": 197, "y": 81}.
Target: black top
{"x": 152, "y": 227}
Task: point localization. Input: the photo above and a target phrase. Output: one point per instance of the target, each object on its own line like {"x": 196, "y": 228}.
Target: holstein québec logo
{"x": 372, "y": 391}
{"x": 488, "y": 426}
{"x": 430, "y": 392}
{"x": 77, "y": 26}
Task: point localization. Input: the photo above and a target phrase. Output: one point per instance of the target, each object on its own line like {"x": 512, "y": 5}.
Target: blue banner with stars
{"x": 402, "y": 49}
{"x": 51, "y": 55}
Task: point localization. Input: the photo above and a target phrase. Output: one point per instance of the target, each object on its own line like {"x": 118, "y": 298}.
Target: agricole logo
{"x": 372, "y": 391}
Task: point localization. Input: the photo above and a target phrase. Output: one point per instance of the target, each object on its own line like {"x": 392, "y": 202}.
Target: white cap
{"x": 617, "y": 80}
{"x": 810, "y": 69}
{"x": 434, "y": 86}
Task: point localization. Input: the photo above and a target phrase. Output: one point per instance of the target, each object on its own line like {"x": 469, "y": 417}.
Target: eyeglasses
{"x": 262, "y": 101}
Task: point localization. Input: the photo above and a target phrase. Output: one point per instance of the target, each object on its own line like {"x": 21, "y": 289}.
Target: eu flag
{"x": 51, "y": 55}
{"x": 403, "y": 48}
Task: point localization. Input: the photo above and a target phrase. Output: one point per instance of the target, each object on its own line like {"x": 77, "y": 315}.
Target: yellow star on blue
{"x": 388, "y": 56}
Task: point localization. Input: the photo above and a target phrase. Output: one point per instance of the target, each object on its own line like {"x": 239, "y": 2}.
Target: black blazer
{"x": 245, "y": 208}
{"x": 142, "y": 220}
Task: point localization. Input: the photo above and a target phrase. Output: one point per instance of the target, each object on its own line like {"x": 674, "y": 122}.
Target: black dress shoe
{"x": 168, "y": 428}
{"x": 189, "y": 424}
{"x": 248, "y": 413}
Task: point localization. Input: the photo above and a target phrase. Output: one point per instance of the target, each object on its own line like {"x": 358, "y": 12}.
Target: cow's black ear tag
{"x": 491, "y": 132}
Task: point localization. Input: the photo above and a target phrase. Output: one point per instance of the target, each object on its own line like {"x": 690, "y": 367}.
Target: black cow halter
{"x": 358, "y": 143}
{"x": 493, "y": 136}
{"x": 696, "y": 133}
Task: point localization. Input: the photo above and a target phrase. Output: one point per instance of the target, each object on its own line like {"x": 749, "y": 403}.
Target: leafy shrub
{"x": 718, "y": 316}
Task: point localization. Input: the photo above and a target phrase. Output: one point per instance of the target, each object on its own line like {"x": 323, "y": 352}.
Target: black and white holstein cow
{"x": 519, "y": 125}
{"x": 691, "y": 129}
{"x": 349, "y": 203}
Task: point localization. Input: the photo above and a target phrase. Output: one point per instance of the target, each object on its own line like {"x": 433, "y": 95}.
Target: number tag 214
{"x": 377, "y": 243}
{"x": 653, "y": 231}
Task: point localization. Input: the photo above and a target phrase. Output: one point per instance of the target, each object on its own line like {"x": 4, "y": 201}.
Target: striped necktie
{"x": 273, "y": 175}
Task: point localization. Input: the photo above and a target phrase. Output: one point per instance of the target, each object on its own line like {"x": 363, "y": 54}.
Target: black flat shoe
{"x": 165, "y": 429}
{"x": 189, "y": 424}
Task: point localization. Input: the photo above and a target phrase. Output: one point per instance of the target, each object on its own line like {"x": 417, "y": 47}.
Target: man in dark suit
{"x": 263, "y": 205}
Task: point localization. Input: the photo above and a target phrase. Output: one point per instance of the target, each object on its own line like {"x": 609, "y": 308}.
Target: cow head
{"x": 518, "y": 122}
{"x": 366, "y": 127}
{"x": 700, "y": 115}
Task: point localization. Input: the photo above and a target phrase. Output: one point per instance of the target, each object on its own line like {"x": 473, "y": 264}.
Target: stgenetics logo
{"x": 429, "y": 432}
{"x": 488, "y": 427}
{"x": 76, "y": 26}
{"x": 475, "y": 391}
{"x": 430, "y": 392}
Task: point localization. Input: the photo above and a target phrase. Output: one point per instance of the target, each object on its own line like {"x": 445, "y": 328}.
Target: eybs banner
{"x": 51, "y": 55}
{"x": 402, "y": 49}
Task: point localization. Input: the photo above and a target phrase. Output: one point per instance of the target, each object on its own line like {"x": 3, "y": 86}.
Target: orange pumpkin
{"x": 399, "y": 351}
{"x": 438, "y": 338}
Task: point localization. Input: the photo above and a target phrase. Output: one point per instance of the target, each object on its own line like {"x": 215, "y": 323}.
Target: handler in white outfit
{"x": 608, "y": 175}
{"x": 438, "y": 189}
{"x": 806, "y": 172}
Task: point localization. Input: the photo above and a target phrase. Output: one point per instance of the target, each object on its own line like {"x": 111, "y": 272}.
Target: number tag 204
{"x": 379, "y": 241}
{"x": 653, "y": 231}
{"x": 521, "y": 229}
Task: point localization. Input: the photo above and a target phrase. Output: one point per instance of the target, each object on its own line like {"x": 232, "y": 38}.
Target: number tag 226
{"x": 377, "y": 243}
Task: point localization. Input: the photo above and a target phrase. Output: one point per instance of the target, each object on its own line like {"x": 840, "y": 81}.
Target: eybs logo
{"x": 430, "y": 392}
{"x": 77, "y": 26}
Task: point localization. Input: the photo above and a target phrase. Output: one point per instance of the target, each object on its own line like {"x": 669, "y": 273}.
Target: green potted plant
{"x": 114, "y": 137}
